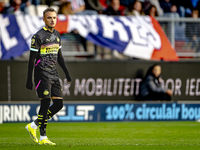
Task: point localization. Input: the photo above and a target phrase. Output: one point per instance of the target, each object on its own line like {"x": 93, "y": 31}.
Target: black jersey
{"x": 47, "y": 44}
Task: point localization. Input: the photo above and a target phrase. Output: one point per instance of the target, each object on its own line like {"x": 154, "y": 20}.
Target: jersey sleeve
{"x": 60, "y": 46}
{"x": 63, "y": 66}
{"x": 35, "y": 43}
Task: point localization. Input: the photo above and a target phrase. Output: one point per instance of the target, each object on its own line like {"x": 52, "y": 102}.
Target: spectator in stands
{"x": 126, "y": 2}
{"x": 165, "y": 5}
{"x": 172, "y": 13}
{"x": 195, "y": 5}
{"x": 113, "y": 8}
{"x": 3, "y": 8}
{"x": 155, "y": 3}
{"x": 35, "y": 2}
{"x": 24, "y": 6}
{"x": 94, "y": 5}
{"x": 193, "y": 31}
{"x": 65, "y": 8}
{"x": 152, "y": 11}
{"x": 151, "y": 86}
{"x": 184, "y": 7}
{"x": 78, "y": 7}
{"x": 136, "y": 9}
{"x": 15, "y": 7}
{"x": 104, "y": 4}
{"x": 198, "y": 6}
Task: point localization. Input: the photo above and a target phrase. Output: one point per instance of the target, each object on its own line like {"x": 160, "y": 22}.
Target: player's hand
{"x": 68, "y": 82}
{"x": 169, "y": 92}
{"x": 29, "y": 85}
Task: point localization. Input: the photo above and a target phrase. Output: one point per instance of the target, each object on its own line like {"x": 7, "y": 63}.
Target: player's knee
{"x": 45, "y": 101}
{"x": 58, "y": 103}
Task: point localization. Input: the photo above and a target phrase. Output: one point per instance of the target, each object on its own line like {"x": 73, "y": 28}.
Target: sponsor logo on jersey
{"x": 49, "y": 49}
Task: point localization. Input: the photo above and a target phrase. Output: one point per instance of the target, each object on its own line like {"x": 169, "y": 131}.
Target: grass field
{"x": 100, "y": 136}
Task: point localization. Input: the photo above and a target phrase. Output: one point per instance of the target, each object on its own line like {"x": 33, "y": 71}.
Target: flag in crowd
{"x": 138, "y": 37}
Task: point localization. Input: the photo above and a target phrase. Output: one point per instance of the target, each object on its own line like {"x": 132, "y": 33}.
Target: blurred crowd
{"x": 154, "y": 8}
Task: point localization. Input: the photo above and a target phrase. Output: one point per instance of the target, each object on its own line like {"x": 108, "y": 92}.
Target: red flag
{"x": 62, "y": 25}
{"x": 167, "y": 52}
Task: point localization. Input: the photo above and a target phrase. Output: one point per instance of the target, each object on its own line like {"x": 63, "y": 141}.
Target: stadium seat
{"x": 40, "y": 9}
{"x": 32, "y": 10}
{"x": 55, "y": 7}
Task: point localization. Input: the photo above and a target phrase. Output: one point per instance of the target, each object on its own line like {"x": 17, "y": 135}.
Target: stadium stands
{"x": 176, "y": 33}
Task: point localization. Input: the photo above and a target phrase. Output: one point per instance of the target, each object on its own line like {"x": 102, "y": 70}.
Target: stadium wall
{"x": 103, "y": 80}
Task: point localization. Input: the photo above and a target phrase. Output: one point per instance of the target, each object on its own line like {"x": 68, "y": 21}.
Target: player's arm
{"x": 153, "y": 87}
{"x": 33, "y": 55}
{"x": 35, "y": 45}
{"x": 61, "y": 62}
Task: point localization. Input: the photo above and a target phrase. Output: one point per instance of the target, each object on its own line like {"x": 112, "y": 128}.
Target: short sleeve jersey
{"x": 47, "y": 44}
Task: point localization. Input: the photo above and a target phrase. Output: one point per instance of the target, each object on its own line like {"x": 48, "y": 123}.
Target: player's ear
{"x": 44, "y": 17}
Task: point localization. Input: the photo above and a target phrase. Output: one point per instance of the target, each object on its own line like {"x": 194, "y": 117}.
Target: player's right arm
{"x": 35, "y": 45}
{"x": 33, "y": 55}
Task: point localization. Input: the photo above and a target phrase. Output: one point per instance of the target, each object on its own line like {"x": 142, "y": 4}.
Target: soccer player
{"x": 45, "y": 51}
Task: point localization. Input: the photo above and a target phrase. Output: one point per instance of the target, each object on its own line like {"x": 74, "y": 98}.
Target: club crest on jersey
{"x": 58, "y": 40}
{"x": 32, "y": 41}
{"x": 46, "y": 92}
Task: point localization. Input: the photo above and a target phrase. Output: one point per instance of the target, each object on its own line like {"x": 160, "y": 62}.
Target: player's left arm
{"x": 61, "y": 62}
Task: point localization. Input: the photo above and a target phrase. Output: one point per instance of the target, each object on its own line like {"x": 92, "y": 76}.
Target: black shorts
{"x": 47, "y": 88}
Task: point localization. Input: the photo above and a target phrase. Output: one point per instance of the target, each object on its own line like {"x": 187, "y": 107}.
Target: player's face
{"x": 50, "y": 19}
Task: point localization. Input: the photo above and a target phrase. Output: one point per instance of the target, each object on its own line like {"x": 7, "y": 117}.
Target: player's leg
{"x": 43, "y": 88}
{"x": 56, "y": 107}
{"x": 42, "y": 117}
{"x": 53, "y": 109}
{"x": 45, "y": 94}
{"x": 32, "y": 127}
{"x": 41, "y": 121}
{"x": 56, "y": 93}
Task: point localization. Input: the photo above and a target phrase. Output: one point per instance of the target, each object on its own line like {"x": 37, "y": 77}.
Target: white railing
{"x": 174, "y": 26}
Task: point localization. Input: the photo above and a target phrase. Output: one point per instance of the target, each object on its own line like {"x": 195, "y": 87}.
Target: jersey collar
{"x": 48, "y": 30}
{"x": 45, "y": 28}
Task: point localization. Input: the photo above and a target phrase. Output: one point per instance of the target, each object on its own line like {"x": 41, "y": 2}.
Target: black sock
{"x": 42, "y": 116}
{"x": 57, "y": 105}
{"x": 53, "y": 109}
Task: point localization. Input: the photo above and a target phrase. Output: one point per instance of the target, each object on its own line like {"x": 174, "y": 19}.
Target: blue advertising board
{"x": 88, "y": 112}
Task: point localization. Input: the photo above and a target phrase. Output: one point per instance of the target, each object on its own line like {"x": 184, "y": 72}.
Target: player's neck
{"x": 49, "y": 28}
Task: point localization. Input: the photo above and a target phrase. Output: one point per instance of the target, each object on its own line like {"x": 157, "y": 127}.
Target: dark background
{"x": 98, "y": 69}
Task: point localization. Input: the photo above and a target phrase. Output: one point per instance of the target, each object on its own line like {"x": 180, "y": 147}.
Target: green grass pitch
{"x": 100, "y": 136}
